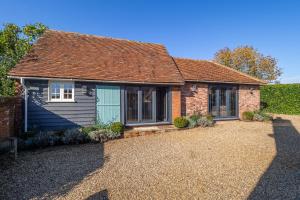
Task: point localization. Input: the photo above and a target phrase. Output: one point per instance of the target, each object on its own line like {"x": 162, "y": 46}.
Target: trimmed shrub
{"x": 117, "y": 127}
{"x": 247, "y": 115}
{"x": 181, "y": 122}
{"x": 281, "y": 98}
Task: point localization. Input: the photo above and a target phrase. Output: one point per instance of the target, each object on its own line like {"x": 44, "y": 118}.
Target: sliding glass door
{"x": 146, "y": 104}
{"x": 223, "y": 101}
{"x": 132, "y": 104}
{"x": 161, "y": 104}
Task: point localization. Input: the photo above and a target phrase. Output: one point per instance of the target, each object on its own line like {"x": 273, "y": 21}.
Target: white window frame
{"x": 61, "y": 91}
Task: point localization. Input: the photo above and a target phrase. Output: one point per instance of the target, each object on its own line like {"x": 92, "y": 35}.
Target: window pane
{"x": 147, "y": 103}
{"x": 55, "y": 93}
{"x": 132, "y": 104}
{"x": 68, "y": 90}
{"x": 161, "y": 104}
{"x": 223, "y": 102}
{"x": 213, "y": 108}
{"x": 233, "y": 102}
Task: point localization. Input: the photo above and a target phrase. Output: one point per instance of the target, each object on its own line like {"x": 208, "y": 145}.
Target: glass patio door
{"x": 146, "y": 104}
{"x": 223, "y": 101}
{"x": 132, "y": 105}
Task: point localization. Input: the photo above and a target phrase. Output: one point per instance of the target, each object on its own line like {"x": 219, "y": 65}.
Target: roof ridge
{"x": 103, "y": 37}
{"x": 235, "y": 70}
{"x": 190, "y": 59}
{"x": 224, "y": 66}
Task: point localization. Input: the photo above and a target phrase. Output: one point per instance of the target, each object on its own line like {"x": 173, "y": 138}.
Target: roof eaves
{"x": 227, "y": 82}
{"x": 94, "y": 80}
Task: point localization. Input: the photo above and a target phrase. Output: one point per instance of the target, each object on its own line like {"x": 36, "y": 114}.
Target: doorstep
{"x": 149, "y": 130}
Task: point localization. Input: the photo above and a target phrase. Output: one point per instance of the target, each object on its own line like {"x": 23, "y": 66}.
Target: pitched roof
{"x": 208, "y": 71}
{"x": 76, "y": 56}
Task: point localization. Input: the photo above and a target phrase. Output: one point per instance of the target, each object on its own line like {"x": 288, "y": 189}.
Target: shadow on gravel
{"x": 49, "y": 172}
{"x": 282, "y": 179}
{"x": 102, "y": 195}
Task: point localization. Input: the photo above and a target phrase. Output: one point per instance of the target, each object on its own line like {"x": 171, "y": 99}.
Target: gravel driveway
{"x": 233, "y": 160}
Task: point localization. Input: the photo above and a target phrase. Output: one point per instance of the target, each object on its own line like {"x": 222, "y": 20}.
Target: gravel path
{"x": 233, "y": 160}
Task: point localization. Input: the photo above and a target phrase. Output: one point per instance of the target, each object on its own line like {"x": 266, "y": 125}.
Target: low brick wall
{"x": 10, "y": 116}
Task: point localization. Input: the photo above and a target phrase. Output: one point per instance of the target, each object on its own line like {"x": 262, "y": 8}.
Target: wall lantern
{"x": 251, "y": 90}
{"x": 194, "y": 88}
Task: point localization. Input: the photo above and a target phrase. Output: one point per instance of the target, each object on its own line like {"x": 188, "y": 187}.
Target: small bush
{"x": 248, "y": 115}
{"x": 262, "y": 116}
{"x": 88, "y": 129}
{"x": 117, "y": 127}
{"x": 267, "y": 117}
{"x": 41, "y": 139}
{"x": 112, "y": 135}
{"x": 73, "y": 136}
{"x": 205, "y": 121}
{"x": 181, "y": 122}
{"x": 209, "y": 117}
{"x": 27, "y": 135}
{"x": 258, "y": 117}
{"x": 193, "y": 119}
{"x": 98, "y": 135}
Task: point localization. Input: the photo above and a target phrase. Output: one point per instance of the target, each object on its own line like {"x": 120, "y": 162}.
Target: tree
{"x": 248, "y": 60}
{"x": 15, "y": 42}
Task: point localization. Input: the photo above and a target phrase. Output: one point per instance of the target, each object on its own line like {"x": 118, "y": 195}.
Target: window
{"x": 61, "y": 91}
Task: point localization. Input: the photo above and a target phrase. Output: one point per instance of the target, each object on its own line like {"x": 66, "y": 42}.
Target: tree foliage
{"x": 15, "y": 42}
{"x": 248, "y": 60}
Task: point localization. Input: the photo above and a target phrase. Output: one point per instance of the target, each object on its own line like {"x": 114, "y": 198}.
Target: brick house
{"x": 77, "y": 80}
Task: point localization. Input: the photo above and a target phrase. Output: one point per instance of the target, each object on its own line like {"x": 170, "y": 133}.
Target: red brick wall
{"x": 249, "y": 98}
{"x": 194, "y": 101}
{"x": 10, "y": 116}
{"x": 176, "y": 102}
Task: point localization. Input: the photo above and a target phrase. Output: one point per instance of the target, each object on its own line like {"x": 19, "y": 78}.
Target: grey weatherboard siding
{"x": 57, "y": 115}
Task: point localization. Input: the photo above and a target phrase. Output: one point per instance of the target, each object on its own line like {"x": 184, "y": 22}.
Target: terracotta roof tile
{"x": 70, "y": 55}
{"x": 208, "y": 71}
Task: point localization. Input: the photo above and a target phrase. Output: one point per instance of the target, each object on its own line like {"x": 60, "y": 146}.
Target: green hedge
{"x": 281, "y": 98}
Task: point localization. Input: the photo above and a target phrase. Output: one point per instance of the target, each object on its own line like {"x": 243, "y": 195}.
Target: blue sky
{"x": 193, "y": 29}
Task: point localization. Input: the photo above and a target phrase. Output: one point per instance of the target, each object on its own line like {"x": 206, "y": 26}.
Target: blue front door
{"x": 108, "y": 104}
